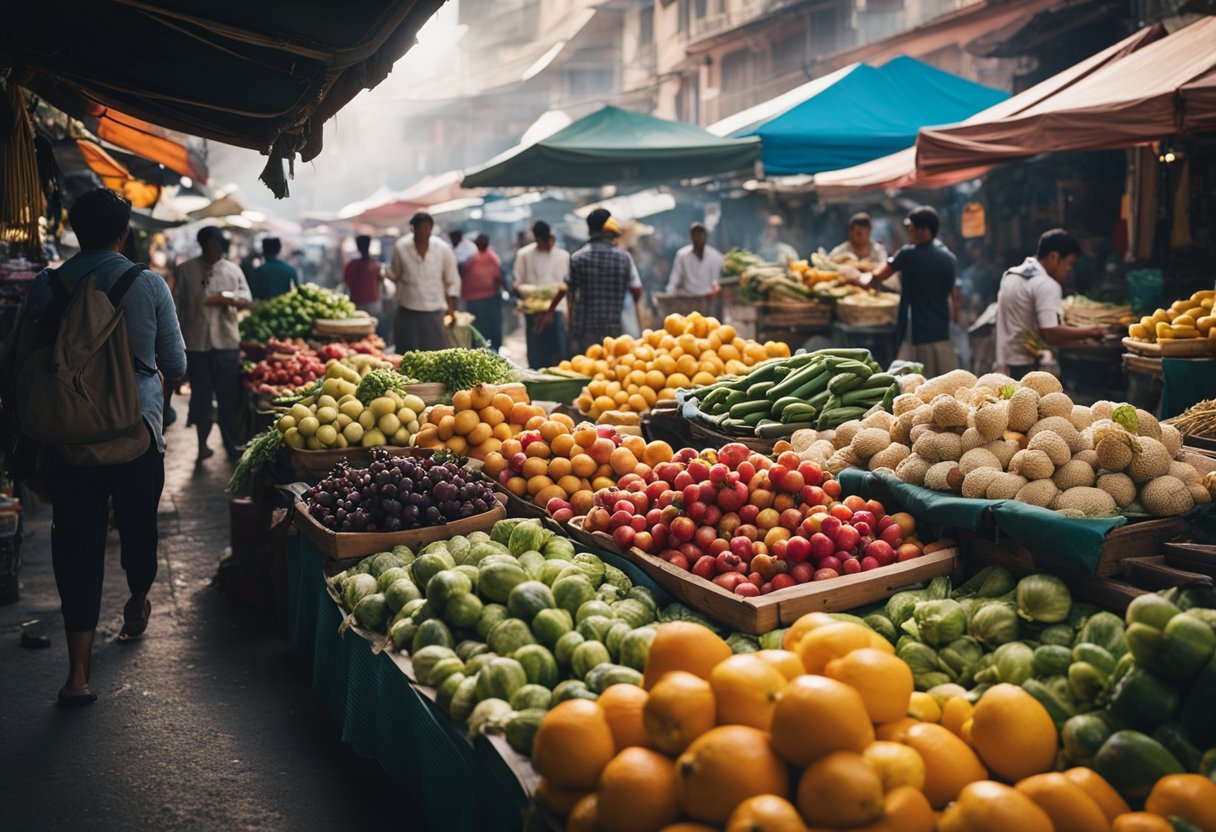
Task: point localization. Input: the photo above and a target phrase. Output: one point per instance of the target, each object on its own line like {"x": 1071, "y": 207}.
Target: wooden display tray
{"x": 346, "y": 545}
{"x": 1142, "y": 347}
{"x": 312, "y": 466}
{"x": 782, "y": 608}
{"x": 776, "y": 315}
{"x": 356, "y": 326}
{"x": 703, "y": 434}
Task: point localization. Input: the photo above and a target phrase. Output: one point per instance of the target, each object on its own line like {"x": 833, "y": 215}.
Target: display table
{"x": 1093, "y": 370}
{"x": 383, "y": 716}
{"x": 1185, "y": 381}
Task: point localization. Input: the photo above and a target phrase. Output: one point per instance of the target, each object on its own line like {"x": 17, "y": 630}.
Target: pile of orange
{"x": 689, "y": 351}
{"x": 480, "y": 420}
{"x": 824, "y": 734}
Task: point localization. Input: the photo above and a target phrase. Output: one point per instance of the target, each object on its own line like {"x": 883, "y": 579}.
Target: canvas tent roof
{"x": 868, "y": 112}
{"x": 613, "y": 145}
{"x": 1164, "y": 88}
{"x": 898, "y": 170}
{"x": 263, "y": 75}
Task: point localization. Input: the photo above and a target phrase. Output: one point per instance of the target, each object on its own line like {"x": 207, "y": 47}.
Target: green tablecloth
{"x": 1184, "y": 382}
{"x": 1076, "y": 544}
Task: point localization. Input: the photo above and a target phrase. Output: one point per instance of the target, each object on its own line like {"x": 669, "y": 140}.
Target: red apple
{"x": 811, "y": 473}
{"x": 747, "y": 513}
{"x": 704, "y": 567}
{"x": 682, "y": 529}
{"x": 638, "y": 523}
{"x": 732, "y": 497}
{"x": 690, "y": 551}
{"x": 698, "y": 469}
{"x": 746, "y": 471}
{"x": 667, "y": 471}
{"x": 727, "y": 561}
{"x": 847, "y": 538}
{"x": 729, "y": 580}
{"x": 862, "y": 529}
{"x": 623, "y": 505}
{"x": 830, "y": 562}
{"x": 802, "y": 572}
{"x": 825, "y": 574}
{"x": 779, "y": 550}
{"x": 887, "y": 520}
{"x": 705, "y": 537}
{"x": 863, "y": 516}
{"x": 644, "y": 541}
{"x": 776, "y": 475}
{"x": 623, "y": 536}
{"x": 660, "y": 535}
{"x": 755, "y": 578}
{"x": 555, "y": 503}
{"x": 783, "y": 581}
{"x": 717, "y": 473}
{"x": 747, "y": 589}
{"x": 741, "y": 547}
{"x": 851, "y": 566}
{"x": 621, "y": 518}
{"x": 868, "y": 563}
{"x": 831, "y": 526}
{"x": 797, "y": 549}
{"x": 563, "y": 515}
{"x": 712, "y": 515}
{"x": 881, "y": 551}
{"x": 820, "y": 546}
{"x": 696, "y": 510}
{"x": 654, "y": 517}
{"x": 876, "y": 508}
{"x": 791, "y": 519}
{"x": 892, "y": 535}
{"x": 683, "y": 480}
{"x": 679, "y": 560}
{"x": 733, "y": 453}
{"x": 719, "y": 544}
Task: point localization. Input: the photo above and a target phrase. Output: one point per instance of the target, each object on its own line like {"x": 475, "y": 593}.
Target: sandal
{"x": 135, "y": 620}
{"x": 75, "y": 700}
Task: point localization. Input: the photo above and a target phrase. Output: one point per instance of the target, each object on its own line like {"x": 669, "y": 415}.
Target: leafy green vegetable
{"x": 960, "y": 658}
{"x": 987, "y": 583}
{"x": 940, "y": 622}
{"x": 1060, "y": 634}
{"x": 378, "y": 382}
{"x": 262, "y": 451}
{"x": 1125, "y": 416}
{"x": 1104, "y": 629}
{"x": 1043, "y": 598}
{"x": 456, "y": 369}
{"x": 1014, "y": 662}
{"x": 293, "y": 315}
{"x": 923, "y": 661}
{"x": 994, "y": 625}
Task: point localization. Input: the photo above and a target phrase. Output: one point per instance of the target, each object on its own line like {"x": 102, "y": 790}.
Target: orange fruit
{"x": 688, "y": 826}
{"x": 950, "y": 764}
{"x": 679, "y": 709}
{"x": 557, "y": 800}
{"x": 584, "y": 816}
{"x": 601, "y": 450}
{"x": 821, "y": 645}
{"x": 745, "y": 689}
{"x": 894, "y": 731}
{"x": 765, "y": 813}
{"x": 637, "y": 792}
{"x": 572, "y": 745}
{"x": 955, "y": 713}
{"x": 622, "y": 461}
{"x": 897, "y": 765}
{"x": 623, "y": 705}
{"x": 550, "y": 430}
{"x": 815, "y": 716}
{"x": 582, "y": 465}
{"x": 1103, "y": 793}
{"x": 1188, "y": 796}
{"x": 682, "y": 645}
{"x": 1013, "y": 733}
{"x": 804, "y": 624}
{"x": 1140, "y": 822}
{"x": 884, "y": 681}
{"x": 1066, "y": 803}
{"x": 584, "y": 437}
{"x": 924, "y": 707}
{"x": 787, "y": 663}
{"x": 987, "y": 806}
{"x": 840, "y": 789}
{"x": 724, "y": 767}
{"x": 905, "y": 809}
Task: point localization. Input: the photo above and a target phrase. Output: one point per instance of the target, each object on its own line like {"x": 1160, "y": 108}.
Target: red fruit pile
{"x": 749, "y": 524}
{"x": 290, "y": 364}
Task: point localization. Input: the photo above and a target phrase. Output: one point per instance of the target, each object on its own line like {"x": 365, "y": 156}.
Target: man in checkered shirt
{"x": 600, "y": 276}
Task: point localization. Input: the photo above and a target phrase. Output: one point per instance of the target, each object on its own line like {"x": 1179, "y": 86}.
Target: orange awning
{"x": 114, "y": 175}
{"x": 147, "y": 140}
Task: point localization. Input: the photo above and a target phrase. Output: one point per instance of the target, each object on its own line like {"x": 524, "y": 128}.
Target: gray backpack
{"x": 75, "y": 385}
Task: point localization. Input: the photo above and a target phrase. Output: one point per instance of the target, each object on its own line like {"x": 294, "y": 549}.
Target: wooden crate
{"x": 313, "y": 466}
{"x": 782, "y": 608}
{"x": 347, "y": 545}
{"x": 812, "y": 315}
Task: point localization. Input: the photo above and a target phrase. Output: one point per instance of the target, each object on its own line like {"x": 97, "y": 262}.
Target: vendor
{"x": 544, "y": 263}
{"x": 1031, "y": 302}
{"x": 697, "y": 269}
{"x": 860, "y": 244}
{"x": 772, "y": 249}
{"x": 929, "y": 298}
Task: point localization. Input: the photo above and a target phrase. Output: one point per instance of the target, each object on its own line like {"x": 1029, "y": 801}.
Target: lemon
{"x": 351, "y": 408}
{"x": 367, "y": 419}
{"x": 312, "y": 443}
{"x": 285, "y": 422}
{"x": 382, "y": 405}
{"x": 299, "y": 412}
{"x": 326, "y": 414}
{"x": 389, "y": 424}
{"x": 308, "y": 426}
{"x": 293, "y": 438}
{"x": 342, "y": 421}
{"x": 402, "y": 437}
{"x": 341, "y": 442}
{"x": 327, "y": 401}
{"x": 327, "y": 435}
{"x": 353, "y": 432}
{"x": 407, "y": 415}
{"x": 373, "y": 438}
{"x": 413, "y": 403}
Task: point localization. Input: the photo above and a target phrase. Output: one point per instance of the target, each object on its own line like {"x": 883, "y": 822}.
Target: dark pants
{"x": 81, "y": 511}
{"x": 414, "y": 330}
{"x": 546, "y": 348}
{"x": 487, "y": 314}
{"x": 216, "y": 374}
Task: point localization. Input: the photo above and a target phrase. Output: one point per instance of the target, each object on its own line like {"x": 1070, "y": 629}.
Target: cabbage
{"x": 1051, "y": 660}
{"x": 938, "y": 589}
{"x": 356, "y": 588}
{"x": 1062, "y": 634}
{"x": 1014, "y": 662}
{"x": 901, "y": 605}
{"x": 371, "y": 612}
{"x": 994, "y": 625}
{"x": 989, "y": 582}
{"x": 489, "y": 717}
{"x": 1043, "y": 598}
{"x": 1104, "y": 629}
{"x": 882, "y": 625}
{"x": 940, "y": 622}
{"x": 405, "y": 553}
{"x": 615, "y": 577}
{"x": 960, "y": 657}
{"x": 922, "y": 659}
{"x": 529, "y": 534}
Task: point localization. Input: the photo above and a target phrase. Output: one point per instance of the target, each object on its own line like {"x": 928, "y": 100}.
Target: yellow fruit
{"x": 1140, "y": 822}
{"x": 637, "y": 792}
{"x": 788, "y": 664}
{"x": 682, "y": 645}
{"x": 804, "y": 625}
{"x": 1188, "y": 796}
{"x": 1101, "y": 792}
{"x": 897, "y": 765}
{"x": 584, "y": 817}
{"x": 765, "y": 813}
{"x": 894, "y": 731}
{"x": 1013, "y": 733}
{"x": 950, "y": 764}
{"x": 557, "y": 800}
{"x": 1066, "y": 803}
{"x": 924, "y": 707}
{"x": 724, "y": 767}
{"x": 985, "y": 806}
{"x": 745, "y": 689}
{"x": 573, "y": 744}
{"x": 955, "y": 713}
{"x": 680, "y": 708}
{"x": 816, "y": 716}
{"x": 840, "y": 790}
{"x": 821, "y": 645}
{"x": 884, "y": 681}
{"x": 462, "y": 400}
{"x": 623, "y": 706}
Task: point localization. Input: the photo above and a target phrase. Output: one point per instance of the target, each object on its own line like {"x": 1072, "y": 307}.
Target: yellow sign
{"x": 974, "y": 221}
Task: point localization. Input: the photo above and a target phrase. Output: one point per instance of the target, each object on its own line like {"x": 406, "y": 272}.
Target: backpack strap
{"x": 120, "y": 287}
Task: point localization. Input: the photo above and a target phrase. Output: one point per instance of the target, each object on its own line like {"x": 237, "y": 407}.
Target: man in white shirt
{"x": 210, "y": 291}
{"x": 860, "y": 244}
{"x": 1031, "y": 303}
{"x": 542, "y": 263}
{"x": 697, "y": 269}
{"x": 428, "y": 284}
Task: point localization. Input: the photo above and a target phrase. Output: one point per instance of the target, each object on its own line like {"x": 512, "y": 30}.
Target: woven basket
{"x": 854, "y": 313}
{"x": 793, "y": 314}
{"x": 1187, "y": 347}
{"x": 354, "y": 327}
{"x": 429, "y": 392}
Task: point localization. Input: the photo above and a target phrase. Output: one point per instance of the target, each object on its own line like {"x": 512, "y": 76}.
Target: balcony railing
{"x": 716, "y": 24}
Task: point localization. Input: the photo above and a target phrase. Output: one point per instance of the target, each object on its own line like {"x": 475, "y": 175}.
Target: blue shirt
{"x": 272, "y": 278}
{"x": 152, "y": 329}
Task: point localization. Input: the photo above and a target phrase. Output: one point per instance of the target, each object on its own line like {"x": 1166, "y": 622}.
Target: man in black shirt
{"x": 929, "y": 296}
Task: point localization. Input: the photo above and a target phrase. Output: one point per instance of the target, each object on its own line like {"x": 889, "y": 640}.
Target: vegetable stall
{"x": 1000, "y": 599}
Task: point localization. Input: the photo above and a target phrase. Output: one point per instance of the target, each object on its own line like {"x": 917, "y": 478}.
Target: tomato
{"x": 705, "y": 537}
{"x": 832, "y": 488}
{"x": 729, "y": 580}
{"x": 825, "y": 574}
{"x": 704, "y": 567}
{"x": 644, "y": 541}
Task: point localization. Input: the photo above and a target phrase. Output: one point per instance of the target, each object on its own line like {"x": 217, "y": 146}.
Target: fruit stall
{"x": 1174, "y": 347}
{"x": 874, "y": 601}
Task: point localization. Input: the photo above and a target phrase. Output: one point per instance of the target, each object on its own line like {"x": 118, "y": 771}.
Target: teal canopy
{"x": 616, "y": 146}
{"x": 870, "y": 112}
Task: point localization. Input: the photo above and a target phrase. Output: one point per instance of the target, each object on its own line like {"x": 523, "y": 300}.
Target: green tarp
{"x": 616, "y": 146}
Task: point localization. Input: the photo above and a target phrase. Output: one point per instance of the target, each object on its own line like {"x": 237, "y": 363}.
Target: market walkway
{"x": 207, "y": 723}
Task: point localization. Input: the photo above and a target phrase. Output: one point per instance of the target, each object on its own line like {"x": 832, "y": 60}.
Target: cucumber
{"x": 1199, "y": 710}
{"x": 1133, "y": 762}
{"x": 815, "y": 385}
{"x": 1143, "y": 701}
{"x": 1170, "y": 736}
{"x": 776, "y": 430}
{"x": 841, "y": 384}
{"x": 759, "y": 389}
{"x": 745, "y": 409}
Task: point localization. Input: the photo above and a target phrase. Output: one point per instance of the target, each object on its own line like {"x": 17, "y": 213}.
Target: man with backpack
{"x": 110, "y": 328}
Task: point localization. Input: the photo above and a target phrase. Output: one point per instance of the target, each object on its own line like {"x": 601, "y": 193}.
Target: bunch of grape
{"x": 397, "y": 492}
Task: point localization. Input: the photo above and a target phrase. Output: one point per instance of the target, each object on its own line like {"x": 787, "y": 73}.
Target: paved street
{"x": 207, "y": 723}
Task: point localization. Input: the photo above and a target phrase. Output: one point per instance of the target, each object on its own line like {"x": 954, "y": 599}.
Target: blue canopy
{"x": 868, "y": 113}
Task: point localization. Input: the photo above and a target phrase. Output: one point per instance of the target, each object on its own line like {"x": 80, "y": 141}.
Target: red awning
{"x": 899, "y": 169}
{"x": 1167, "y": 87}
